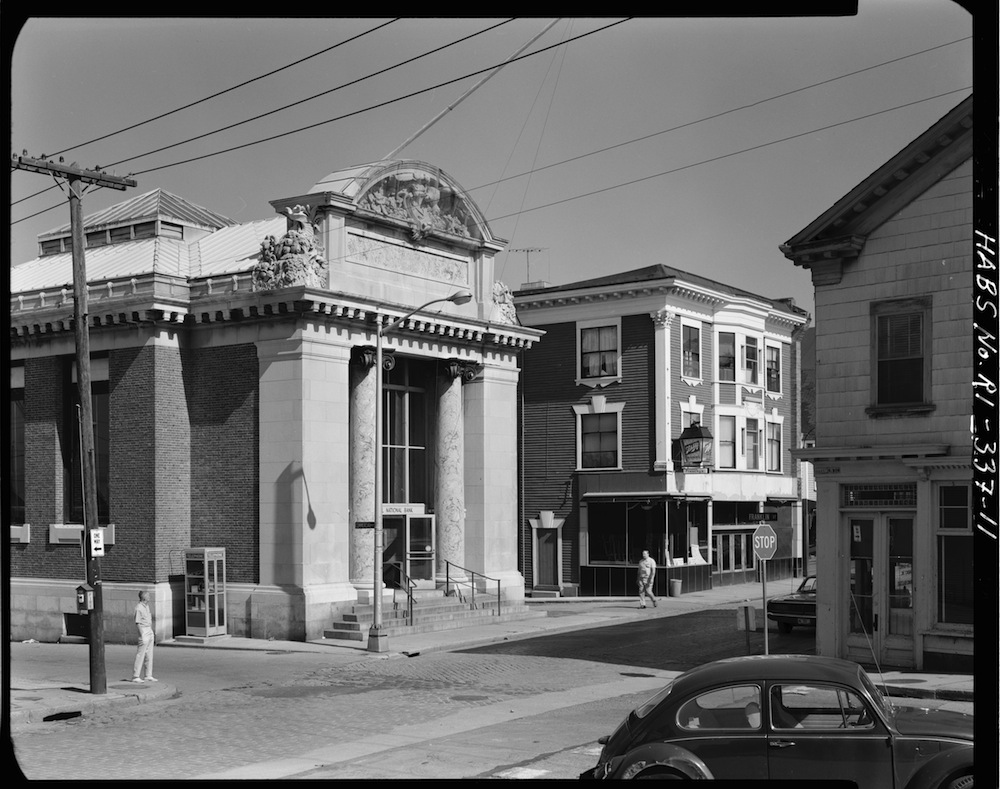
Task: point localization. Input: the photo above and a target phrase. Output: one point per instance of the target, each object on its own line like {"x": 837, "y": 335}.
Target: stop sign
{"x": 765, "y": 542}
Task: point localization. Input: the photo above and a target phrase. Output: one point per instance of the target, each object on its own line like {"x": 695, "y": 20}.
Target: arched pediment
{"x": 420, "y": 195}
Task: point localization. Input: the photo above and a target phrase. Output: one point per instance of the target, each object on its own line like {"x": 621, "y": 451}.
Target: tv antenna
{"x": 527, "y": 251}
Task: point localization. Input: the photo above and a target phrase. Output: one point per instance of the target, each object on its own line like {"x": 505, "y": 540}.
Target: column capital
{"x": 663, "y": 318}
{"x": 458, "y": 368}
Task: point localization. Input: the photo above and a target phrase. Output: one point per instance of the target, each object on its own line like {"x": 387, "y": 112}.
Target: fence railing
{"x": 406, "y": 584}
{"x": 470, "y": 582}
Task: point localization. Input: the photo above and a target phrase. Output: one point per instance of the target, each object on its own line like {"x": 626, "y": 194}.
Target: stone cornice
{"x": 157, "y": 299}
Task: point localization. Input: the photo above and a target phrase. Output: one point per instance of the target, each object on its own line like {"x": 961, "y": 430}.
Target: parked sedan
{"x": 788, "y": 717}
{"x": 798, "y": 608}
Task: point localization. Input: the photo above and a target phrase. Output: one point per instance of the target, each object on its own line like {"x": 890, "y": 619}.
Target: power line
{"x": 375, "y": 106}
{"x": 229, "y": 90}
{"x": 727, "y": 155}
{"x": 316, "y": 96}
{"x": 534, "y": 170}
{"x": 341, "y": 117}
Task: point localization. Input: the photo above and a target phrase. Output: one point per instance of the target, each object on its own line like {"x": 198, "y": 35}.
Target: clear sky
{"x": 702, "y": 144}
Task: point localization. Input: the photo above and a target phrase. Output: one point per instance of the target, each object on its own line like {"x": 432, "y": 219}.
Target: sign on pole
{"x": 765, "y": 543}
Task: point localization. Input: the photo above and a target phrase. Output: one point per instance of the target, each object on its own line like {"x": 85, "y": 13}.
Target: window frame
{"x": 16, "y": 478}
{"x": 598, "y": 407}
{"x": 694, "y": 326}
{"x": 942, "y": 534}
{"x": 776, "y": 347}
{"x": 751, "y": 368}
{"x": 769, "y": 425}
{"x": 921, "y": 306}
{"x": 731, "y": 359}
{"x": 598, "y": 323}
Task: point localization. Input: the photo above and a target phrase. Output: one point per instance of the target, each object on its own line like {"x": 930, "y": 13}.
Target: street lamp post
{"x": 377, "y": 641}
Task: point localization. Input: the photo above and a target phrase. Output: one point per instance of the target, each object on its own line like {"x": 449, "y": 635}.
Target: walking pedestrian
{"x": 144, "y": 653}
{"x": 647, "y": 573}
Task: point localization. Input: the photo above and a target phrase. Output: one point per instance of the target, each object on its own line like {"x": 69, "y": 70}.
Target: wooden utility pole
{"x": 75, "y": 178}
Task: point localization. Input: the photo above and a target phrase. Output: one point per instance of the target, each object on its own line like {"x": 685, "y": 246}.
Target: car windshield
{"x": 808, "y": 585}
{"x": 882, "y": 702}
{"x": 650, "y": 704}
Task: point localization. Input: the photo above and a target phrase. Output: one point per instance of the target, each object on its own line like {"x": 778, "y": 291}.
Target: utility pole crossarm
{"x": 71, "y": 171}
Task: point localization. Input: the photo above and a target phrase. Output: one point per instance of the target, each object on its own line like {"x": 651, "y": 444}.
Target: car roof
{"x": 794, "y": 668}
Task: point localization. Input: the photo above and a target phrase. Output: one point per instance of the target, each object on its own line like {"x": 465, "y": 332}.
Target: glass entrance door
{"x": 880, "y": 589}
{"x": 409, "y": 546}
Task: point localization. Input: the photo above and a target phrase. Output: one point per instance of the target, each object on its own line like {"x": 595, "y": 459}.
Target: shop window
{"x": 773, "y": 372}
{"x": 955, "y": 556}
{"x": 901, "y": 367}
{"x": 691, "y": 366}
{"x": 618, "y": 532}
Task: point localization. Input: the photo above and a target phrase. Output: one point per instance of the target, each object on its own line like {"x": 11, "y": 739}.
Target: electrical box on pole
{"x": 76, "y": 177}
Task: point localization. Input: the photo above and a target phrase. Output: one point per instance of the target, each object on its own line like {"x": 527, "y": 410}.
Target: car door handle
{"x": 780, "y": 743}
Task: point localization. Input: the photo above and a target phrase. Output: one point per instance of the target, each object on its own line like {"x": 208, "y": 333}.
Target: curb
{"x": 87, "y": 705}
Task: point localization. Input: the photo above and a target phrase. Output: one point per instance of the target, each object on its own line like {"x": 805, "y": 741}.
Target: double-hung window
{"x": 955, "y": 556}
{"x": 751, "y": 360}
{"x": 900, "y": 354}
{"x": 751, "y": 444}
{"x": 691, "y": 367}
{"x": 727, "y": 442}
{"x": 599, "y": 444}
{"x": 727, "y": 356}
{"x": 774, "y": 446}
{"x": 773, "y": 371}
{"x": 599, "y": 351}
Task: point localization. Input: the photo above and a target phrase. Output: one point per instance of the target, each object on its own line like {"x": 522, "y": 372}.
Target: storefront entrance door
{"x": 409, "y": 545}
{"x": 880, "y": 599}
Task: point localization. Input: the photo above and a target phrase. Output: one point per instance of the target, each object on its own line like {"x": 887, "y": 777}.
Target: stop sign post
{"x": 765, "y": 543}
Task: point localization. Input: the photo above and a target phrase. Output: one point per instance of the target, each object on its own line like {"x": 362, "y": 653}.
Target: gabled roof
{"x": 157, "y": 204}
{"x": 840, "y": 231}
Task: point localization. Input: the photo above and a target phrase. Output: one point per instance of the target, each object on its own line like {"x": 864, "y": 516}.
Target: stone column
{"x": 363, "y": 401}
{"x": 449, "y": 498}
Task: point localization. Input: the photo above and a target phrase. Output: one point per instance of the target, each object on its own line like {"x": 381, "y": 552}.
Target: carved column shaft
{"x": 364, "y": 400}
{"x": 450, "y": 467}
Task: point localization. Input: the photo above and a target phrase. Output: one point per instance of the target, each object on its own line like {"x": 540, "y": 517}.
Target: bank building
{"x": 235, "y": 385}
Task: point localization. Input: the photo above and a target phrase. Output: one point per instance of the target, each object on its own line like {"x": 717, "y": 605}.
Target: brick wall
{"x": 45, "y": 401}
{"x": 222, "y": 395}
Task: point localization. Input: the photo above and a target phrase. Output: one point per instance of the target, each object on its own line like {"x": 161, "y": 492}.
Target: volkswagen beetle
{"x": 788, "y": 717}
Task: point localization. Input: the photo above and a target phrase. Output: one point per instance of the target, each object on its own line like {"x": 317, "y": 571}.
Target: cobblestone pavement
{"x": 243, "y": 725}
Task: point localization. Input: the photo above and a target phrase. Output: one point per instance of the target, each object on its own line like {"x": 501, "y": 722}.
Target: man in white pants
{"x": 646, "y": 576}
{"x": 144, "y": 654}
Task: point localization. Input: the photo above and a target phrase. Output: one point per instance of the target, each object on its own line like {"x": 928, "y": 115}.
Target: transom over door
{"x": 880, "y": 590}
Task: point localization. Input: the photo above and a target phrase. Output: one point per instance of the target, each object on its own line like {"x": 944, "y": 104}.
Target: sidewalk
{"x": 34, "y": 702}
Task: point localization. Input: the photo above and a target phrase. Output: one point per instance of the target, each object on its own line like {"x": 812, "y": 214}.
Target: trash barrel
{"x": 675, "y": 587}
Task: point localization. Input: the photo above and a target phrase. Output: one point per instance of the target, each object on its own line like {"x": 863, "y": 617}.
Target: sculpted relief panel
{"x": 424, "y": 202}
{"x": 371, "y": 252}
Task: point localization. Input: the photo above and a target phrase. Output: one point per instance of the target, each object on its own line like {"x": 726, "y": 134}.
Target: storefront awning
{"x": 655, "y": 495}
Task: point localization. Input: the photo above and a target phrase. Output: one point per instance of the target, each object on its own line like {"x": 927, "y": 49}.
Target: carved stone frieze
{"x": 422, "y": 201}
{"x": 407, "y": 261}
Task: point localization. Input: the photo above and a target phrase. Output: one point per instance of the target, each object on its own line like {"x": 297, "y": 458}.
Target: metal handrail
{"x": 410, "y": 585}
{"x": 472, "y": 584}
